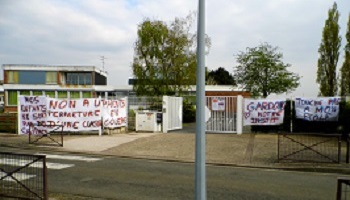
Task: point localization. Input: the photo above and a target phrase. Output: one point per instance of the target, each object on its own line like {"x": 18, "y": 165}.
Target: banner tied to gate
{"x": 263, "y": 112}
{"x": 317, "y": 109}
{"x": 89, "y": 114}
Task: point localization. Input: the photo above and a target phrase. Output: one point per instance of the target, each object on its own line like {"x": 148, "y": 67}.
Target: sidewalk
{"x": 247, "y": 150}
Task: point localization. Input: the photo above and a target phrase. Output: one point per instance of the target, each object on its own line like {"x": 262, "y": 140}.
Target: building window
{"x": 50, "y": 94}
{"x": 51, "y": 77}
{"x": 37, "y": 93}
{"x": 62, "y": 94}
{"x": 25, "y": 93}
{"x": 75, "y": 95}
{"x": 12, "y": 98}
{"x": 79, "y": 79}
{"x": 12, "y": 76}
{"x": 87, "y": 95}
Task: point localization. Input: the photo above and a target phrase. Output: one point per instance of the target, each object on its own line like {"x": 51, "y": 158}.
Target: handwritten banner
{"x": 263, "y": 112}
{"x": 88, "y": 114}
{"x": 114, "y": 112}
{"x": 317, "y": 109}
{"x": 32, "y": 109}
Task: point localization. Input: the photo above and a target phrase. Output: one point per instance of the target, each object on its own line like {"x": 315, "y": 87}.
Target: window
{"x": 12, "y": 76}
{"x": 79, "y": 78}
{"x": 25, "y": 93}
{"x": 75, "y": 95}
{"x": 12, "y": 98}
{"x": 62, "y": 94}
{"x": 37, "y": 93}
{"x": 87, "y": 95}
{"x": 51, "y": 77}
{"x": 50, "y": 94}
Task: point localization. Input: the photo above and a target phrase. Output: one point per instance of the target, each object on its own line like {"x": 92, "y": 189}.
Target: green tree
{"x": 261, "y": 71}
{"x": 164, "y": 57}
{"x": 221, "y": 76}
{"x": 345, "y": 69}
{"x": 329, "y": 54}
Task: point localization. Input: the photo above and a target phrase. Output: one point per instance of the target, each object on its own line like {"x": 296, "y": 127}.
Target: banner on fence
{"x": 73, "y": 114}
{"x": 263, "y": 112}
{"x": 317, "y": 109}
{"x": 114, "y": 112}
{"x": 31, "y": 110}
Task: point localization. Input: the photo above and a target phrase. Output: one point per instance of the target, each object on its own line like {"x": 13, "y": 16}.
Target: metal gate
{"x": 225, "y": 114}
{"x": 172, "y": 113}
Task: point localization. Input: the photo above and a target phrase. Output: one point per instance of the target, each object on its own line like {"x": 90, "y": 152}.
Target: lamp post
{"x": 200, "y": 171}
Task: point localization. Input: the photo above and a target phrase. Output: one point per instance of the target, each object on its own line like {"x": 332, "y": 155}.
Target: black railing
{"x": 23, "y": 176}
{"x": 52, "y": 137}
{"x": 309, "y": 147}
{"x": 343, "y": 188}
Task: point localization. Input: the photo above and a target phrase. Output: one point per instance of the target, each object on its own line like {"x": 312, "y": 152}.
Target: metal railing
{"x": 343, "y": 188}
{"x": 309, "y": 147}
{"x": 8, "y": 122}
{"x": 53, "y": 137}
{"x": 23, "y": 176}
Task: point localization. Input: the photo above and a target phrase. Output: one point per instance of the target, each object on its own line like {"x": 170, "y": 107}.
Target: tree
{"x": 165, "y": 57}
{"x": 221, "y": 76}
{"x": 261, "y": 71}
{"x": 345, "y": 69}
{"x": 329, "y": 54}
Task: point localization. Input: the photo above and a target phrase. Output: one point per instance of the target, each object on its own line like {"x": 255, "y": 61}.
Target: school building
{"x": 71, "y": 81}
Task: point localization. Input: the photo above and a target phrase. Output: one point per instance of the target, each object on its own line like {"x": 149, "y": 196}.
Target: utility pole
{"x": 200, "y": 171}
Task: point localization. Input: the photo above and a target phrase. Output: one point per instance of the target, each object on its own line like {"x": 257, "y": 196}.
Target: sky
{"x": 81, "y": 32}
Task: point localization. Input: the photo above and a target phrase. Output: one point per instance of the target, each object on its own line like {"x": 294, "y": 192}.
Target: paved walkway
{"x": 246, "y": 150}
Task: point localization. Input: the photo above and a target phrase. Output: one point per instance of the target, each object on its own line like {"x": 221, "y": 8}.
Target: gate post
{"x": 165, "y": 115}
{"x": 239, "y": 118}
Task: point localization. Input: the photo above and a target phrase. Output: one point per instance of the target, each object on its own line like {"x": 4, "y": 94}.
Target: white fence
{"x": 225, "y": 114}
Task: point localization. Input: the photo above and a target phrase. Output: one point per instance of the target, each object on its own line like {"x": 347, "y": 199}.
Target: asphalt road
{"x": 120, "y": 178}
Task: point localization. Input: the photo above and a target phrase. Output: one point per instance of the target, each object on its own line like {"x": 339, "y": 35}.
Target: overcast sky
{"x": 79, "y": 32}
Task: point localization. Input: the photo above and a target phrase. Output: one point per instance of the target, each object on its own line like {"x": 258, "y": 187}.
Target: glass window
{"x": 25, "y": 93}
{"x": 37, "y": 93}
{"x": 87, "y": 95}
{"x": 79, "y": 78}
{"x": 62, "y": 94}
{"x": 12, "y": 98}
{"x": 50, "y": 94}
{"x": 75, "y": 95}
{"x": 51, "y": 77}
{"x": 88, "y": 79}
{"x": 12, "y": 76}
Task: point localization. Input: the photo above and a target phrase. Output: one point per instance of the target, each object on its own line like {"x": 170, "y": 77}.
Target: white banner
{"x": 73, "y": 114}
{"x": 263, "y": 112}
{"x": 114, "y": 112}
{"x": 31, "y": 109}
{"x": 317, "y": 109}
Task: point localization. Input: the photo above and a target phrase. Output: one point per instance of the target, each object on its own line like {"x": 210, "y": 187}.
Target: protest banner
{"x": 114, "y": 112}
{"x": 263, "y": 112}
{"x": 88, "y": 114}
{"x": 74, "y": 114}
{"x": 317, "y": 109}
{"x": 31, "y": 109}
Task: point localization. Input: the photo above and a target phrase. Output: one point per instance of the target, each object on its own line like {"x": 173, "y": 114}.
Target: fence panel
{"x": 8, "y": 122}
{"x": 309, "y": 147}
{"x": 223, "y": 114}
{"x": 23, "y": 176}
